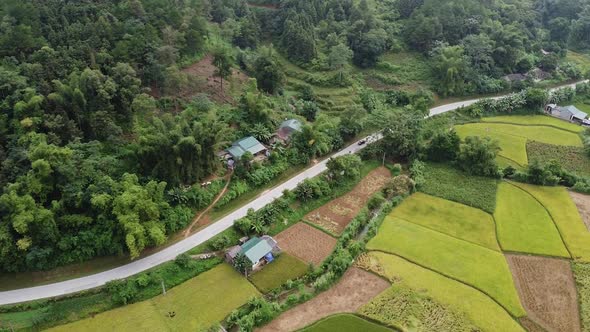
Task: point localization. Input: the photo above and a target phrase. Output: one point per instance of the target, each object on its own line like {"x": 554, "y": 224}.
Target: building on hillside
{"x": 569, "y": 113}
{"x": 258, "y": 250}
{"x": 514, "y": 78}
{"x": 286, "y": 129}
{"x": 239, "y": 147}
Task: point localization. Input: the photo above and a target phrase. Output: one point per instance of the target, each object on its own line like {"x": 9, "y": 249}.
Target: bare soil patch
{"x": 306, "y": 243}
{"x": 337, "y": 214}
{"x": 530, "y": 325}
{"x": 547, "y": 290}
{"x": 356, "y": 288}
{"x": 583, "y": 203}
{"x": 206, "y": 81}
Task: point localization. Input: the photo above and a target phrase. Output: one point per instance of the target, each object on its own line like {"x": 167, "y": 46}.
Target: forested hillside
{"x": 104, "y": 133}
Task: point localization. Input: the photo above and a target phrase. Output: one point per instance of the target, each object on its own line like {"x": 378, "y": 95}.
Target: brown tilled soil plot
{"x": 209, "y": 84}
{"x": 547, "y": 291}
{"x": 306, "y": 243}
{"x": 356, "y": 288}
{"x": 583, "y": 203}
{"x": 337, "y": 214}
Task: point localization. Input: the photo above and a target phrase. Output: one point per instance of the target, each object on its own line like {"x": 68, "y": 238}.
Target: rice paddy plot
{"x": 458, "y": 220}
{"x": 345, "y": 322}
{"x": 566, "y": 217}
{"x": 194, "y": 305}
{"x": 486, "y": 314}
{"x": 482, "y": 268}
{"x": 524, "y": 225}
{"x": 541, "y": 120}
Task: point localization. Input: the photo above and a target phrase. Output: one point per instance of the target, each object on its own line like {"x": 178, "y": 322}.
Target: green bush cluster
{"x": 550, "y": 173}
{"x": 571, "y": 158}
{"x": 196, "y": 197}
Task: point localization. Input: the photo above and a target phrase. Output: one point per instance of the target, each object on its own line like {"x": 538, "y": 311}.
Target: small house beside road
{"x": 569, "y": 113}
{"x": 258, "y": 250}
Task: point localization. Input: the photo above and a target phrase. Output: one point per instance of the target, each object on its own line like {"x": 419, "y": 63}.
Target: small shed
{"x": 287, "y": 128}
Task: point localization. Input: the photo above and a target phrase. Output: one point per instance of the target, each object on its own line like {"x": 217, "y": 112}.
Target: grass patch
{"x": 344, "y": 322}
{"x": 566, "y": 217}
{"x": 449, "y": 183}
{"x": 582, "y": 276}
{"x": 285, "y": 267}
{"x": 407, "y": 310}
{"x": 524, "y": 225}
{"x": 571, "y": 158}
{"x": 480, "y": 267}
{"x": 582, "y": 60}
{"x": 543, "y": 120}
{"x": 197, "y": 304}
{"x": 479, "y": 308}
{"x": 450, "y": 218}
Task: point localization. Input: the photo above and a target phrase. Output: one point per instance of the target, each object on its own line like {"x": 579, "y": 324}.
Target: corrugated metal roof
{"x": 293, "y": 124}
{"x": 249, "y": 144}
{"x": 576, "y": 112}
{"x": 255, "y": 249}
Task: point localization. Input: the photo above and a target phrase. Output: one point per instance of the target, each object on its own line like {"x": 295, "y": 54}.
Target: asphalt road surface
{"x": 170, "y": 253}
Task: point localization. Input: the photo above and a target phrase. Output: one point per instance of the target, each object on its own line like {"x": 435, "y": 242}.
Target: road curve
{"x": 169, "y": 253}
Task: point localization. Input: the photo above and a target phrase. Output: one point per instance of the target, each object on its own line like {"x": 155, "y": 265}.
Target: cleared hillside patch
{"x": 194, "y": 305}
{"x": 458, "y": 220}
{"x": 488, "y": 315}
{"x": 472, "y": 264}
{"x": 524, "y": 225}
{"x": 566, "y": 217}
{"x": 450, "y": 183}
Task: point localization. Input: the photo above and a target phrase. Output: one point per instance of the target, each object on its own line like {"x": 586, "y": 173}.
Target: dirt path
{"x": 583, "y": 203}
{"x": 187, "y": 232}
{"x": 356, "y": 288}
{"x": 547, "y": 290}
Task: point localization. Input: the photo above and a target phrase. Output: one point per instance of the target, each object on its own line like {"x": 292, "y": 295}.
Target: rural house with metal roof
{"x": 258, "y": 250}
{"x": 568, "y": 113}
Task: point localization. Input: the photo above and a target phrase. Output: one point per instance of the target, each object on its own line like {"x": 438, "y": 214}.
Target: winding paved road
{"x": 169, "y": 253}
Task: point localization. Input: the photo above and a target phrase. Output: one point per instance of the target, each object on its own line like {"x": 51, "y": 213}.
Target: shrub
{"x": 417, "y": 172}
{"x": 478, "y": 156}
{"x": 444, "y": 146}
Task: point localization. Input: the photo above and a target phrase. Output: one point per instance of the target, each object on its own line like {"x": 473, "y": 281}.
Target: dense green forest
{"x": 103, "y": 134}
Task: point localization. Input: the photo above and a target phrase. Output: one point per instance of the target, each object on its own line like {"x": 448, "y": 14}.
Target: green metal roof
{"x": 292, "y": 124}
{"x": 249, "y": 144}
{"x": 255, "y": 249}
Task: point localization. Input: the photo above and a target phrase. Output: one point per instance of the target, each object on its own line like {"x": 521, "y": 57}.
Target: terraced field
{"x": 513, "y": 133}
{"x": 478, "y": 266}
{"x": 480, "y": 309}
{"x": 566, "y": 217}
{"x": 524, "y": 225}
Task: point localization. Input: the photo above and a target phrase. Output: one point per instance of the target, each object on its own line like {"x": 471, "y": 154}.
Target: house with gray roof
{"x": 247, "y": 144}
{"x": 569, "y": 113}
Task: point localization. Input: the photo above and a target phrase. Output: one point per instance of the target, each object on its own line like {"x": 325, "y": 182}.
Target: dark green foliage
{"x": 452, "y": 184}
{"x": 478, "y": 156}
{"x": 444, "y": 146}
{"x": 268, "y": 72}
{"x": 345, "y": 167}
